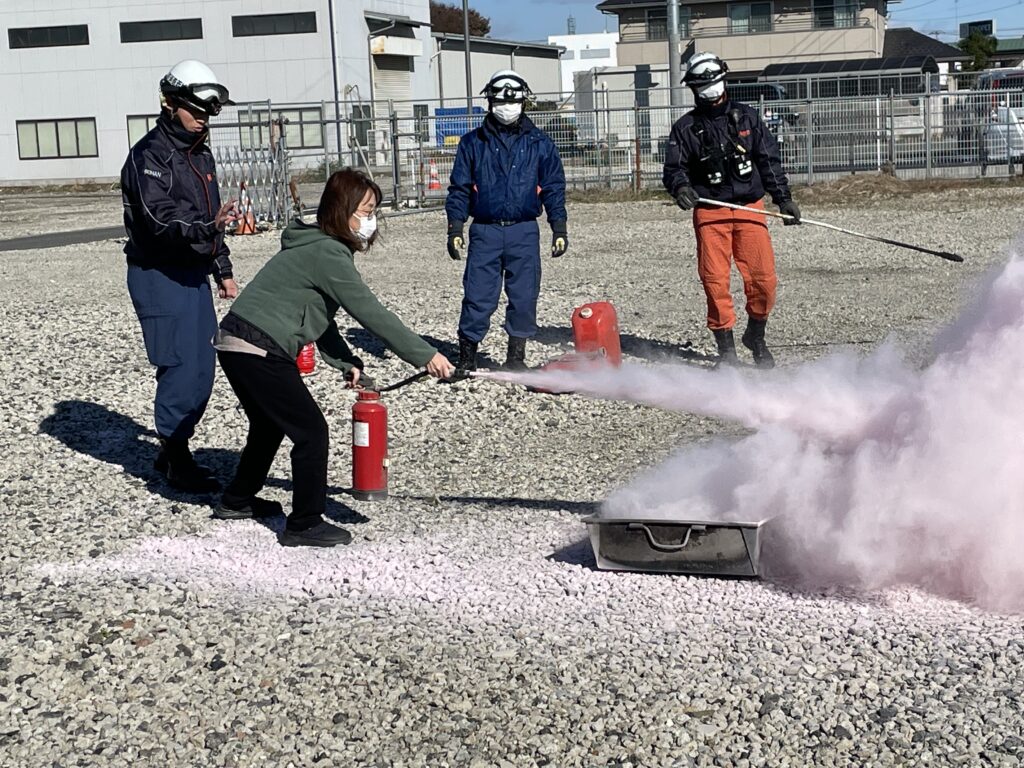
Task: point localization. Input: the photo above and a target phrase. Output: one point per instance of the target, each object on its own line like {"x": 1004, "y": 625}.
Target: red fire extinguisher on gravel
{"x": 306, "y": 361}
{"x": 369, "y": 447}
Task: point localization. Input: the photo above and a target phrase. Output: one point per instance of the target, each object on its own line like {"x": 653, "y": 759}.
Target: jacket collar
{"x": 488, "y": 127}
{"x": 712, "y": 111}
{"x": 178, "y": 136}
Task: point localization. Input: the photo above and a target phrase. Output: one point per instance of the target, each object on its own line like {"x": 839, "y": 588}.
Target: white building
{"x": 79, "y": 80}
{"x": 583, "y": 53}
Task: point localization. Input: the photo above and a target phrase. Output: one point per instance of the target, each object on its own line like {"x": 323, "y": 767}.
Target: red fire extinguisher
{"x": 369, "y": 447}
{"x": 306, "y": 361}
{"x": 595, "y": 330}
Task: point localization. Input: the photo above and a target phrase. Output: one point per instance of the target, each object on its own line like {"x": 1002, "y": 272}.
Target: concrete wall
{"x": 575, "y": 60}
{"x": 539, "y": 68}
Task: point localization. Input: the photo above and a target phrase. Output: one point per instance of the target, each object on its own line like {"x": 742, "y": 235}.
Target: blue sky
{"x": 536, "y": 19}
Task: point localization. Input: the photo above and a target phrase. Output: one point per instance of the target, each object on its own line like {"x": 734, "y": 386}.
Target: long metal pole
{"x": 469, "y": 64}
{"x": 941, "y": 254}
{"x": 334, "y": 74}
{"x": 674, "y": 70}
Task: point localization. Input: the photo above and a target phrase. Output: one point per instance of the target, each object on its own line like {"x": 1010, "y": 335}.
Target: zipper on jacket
{"x": 206, "y": 188}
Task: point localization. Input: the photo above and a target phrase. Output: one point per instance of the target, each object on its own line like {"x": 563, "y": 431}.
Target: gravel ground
{"x": 467, "y": 625}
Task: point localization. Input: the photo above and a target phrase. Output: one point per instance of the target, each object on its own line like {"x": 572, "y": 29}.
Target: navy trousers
{"x": 175, "y": 310}
{"x": 501, "y": 254}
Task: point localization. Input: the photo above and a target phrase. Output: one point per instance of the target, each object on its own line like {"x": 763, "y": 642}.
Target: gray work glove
{"x": 686, "y": 197}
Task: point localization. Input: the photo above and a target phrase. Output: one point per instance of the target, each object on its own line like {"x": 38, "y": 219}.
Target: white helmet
{"x": 193, "y": 83}
{"x": 506, "y": 85}
{"x": 705, "y": 74}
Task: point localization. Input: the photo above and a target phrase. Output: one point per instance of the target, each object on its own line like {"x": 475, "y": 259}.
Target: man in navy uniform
{"x": 504, "y": 172}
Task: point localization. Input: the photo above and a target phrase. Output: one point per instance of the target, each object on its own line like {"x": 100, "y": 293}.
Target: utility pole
{"x": 334, "y": 75}
{"x": 469, "y": 63}
{"x": 674, "y": 74}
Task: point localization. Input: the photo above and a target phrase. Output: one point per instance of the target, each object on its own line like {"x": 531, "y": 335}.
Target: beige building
{"x": 752, "y": 35}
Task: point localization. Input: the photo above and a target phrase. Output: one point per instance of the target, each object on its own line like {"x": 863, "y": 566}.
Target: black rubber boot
{"x": 515, "y": 359}
{"x": 323, "y": 534}
{"x": 175, "y": 462}
{"x": 753, "y": 339}
{"x": 726, "y": 347}
{"x": 467, "y": 354}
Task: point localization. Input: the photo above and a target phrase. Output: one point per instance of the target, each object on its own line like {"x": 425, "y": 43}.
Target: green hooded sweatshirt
{"x": 294, "y": 297}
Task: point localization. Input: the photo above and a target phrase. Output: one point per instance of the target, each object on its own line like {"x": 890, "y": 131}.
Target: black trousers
{"x": 278, "y": 405}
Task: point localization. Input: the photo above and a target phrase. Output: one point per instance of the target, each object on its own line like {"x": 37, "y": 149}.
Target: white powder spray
{"x": 875, "y": 474}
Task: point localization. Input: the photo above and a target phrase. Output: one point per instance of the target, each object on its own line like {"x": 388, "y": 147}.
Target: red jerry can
{"x": 369, "y": 447}
{"x": 595, "y": 330}
{"x": 306, "y": 361}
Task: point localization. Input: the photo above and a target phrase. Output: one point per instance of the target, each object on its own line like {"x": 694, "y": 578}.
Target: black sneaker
{"x": 253, "y": 509}
{"x": 323, "y": 534}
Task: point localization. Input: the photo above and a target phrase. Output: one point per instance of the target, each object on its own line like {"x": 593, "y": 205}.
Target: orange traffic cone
{"x": 435, "y": 180}
{"x": 246, "y": 221}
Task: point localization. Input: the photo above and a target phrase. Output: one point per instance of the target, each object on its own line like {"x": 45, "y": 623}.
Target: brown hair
{"x": 342, "y": 194}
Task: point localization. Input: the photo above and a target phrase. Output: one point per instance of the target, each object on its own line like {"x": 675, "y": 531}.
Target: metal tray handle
{"x": 655, "y": 544}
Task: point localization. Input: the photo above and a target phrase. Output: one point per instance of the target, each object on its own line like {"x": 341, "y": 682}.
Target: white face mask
{"x": 367, "y": 226}
{"x": 507, "y": 113}
{"x": 712, "y": 92}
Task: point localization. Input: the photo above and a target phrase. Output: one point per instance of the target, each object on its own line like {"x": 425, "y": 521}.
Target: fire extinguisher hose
{"x": 399, "y": 384}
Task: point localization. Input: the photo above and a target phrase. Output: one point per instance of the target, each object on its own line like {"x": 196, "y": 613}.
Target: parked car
{"x": 563, "y": 131}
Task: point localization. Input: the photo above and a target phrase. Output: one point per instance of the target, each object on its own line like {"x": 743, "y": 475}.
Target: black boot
{"x": 467, "y": 354}
{"x": 753, "y": 339}
{"x": 251, "y": 509}
{"x": 323, "y": 534}
{"x": 515, "y": 359}
{"x": 726, "y": 347}
{"x": 175, "y": 462}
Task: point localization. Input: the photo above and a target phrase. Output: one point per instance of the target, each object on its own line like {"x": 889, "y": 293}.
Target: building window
{"x": 273, "y": 24}
{"x": 171, "y": 29}
{"x": 750, "y": 17}
{"x": 303, "y": 129}
{"x": 595, "y": 53}
{"x": 45, "y": 139}
{"x": 139, "y": 126}
{"x": 48, "y": 37}
{"x": 657, "y": 23}
{"x": 835, "y": 13}
{"x": 568, "y": 55}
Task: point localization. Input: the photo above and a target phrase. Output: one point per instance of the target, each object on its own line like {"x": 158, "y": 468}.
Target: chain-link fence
{"x": 617, "y": 139}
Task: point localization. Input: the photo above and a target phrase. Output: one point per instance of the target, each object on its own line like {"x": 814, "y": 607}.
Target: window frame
{"x": 261, "y": 122}
{"x": 750, "y": 30}
{"x": 12, "y": 34}
{"x": 238, "y": 21}
{"x": 56, "y": 121}
{"x": 832, "y": 7}
{"x": 154, "y": 23}
{"x": 150, "y": 124}
{"x": 652, "y": 17}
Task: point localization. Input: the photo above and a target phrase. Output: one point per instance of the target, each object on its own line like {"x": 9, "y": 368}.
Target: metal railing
{"x": 698, "y": 28}
{"x": 926, "y": 135}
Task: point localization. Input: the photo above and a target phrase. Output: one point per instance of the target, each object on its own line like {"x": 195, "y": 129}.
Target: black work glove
{"x": 790, "y": 209}
{"x": 686, "y": 197}
{"x": 456, "y": 240}
{"x": 559, "y": 239}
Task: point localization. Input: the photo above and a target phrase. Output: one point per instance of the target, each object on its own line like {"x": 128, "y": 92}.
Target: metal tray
{"x": 676, "y": 546}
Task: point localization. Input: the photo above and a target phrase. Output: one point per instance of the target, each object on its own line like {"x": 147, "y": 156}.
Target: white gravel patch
{"x": 466, "y": 624}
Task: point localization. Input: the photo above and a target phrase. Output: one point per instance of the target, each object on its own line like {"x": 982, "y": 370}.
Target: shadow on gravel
{"x": 112, "y": 437}
{"x": 580, "y": 554}
{"x": 502, "y": 502}
{"x": 635, "y": 346}
{"x": 365, "y": 341}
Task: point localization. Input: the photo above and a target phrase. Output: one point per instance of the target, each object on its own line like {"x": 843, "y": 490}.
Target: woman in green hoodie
{"x": 291, "y": 302}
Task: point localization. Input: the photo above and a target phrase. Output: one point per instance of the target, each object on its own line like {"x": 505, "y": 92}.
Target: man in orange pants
{"x": 722, "y": 150}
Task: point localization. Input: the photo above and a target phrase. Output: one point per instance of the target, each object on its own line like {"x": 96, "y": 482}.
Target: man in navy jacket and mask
{"x": 505, "y": 171}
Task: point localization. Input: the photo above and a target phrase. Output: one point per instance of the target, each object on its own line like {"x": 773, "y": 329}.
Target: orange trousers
{"x": 722, "y": 236}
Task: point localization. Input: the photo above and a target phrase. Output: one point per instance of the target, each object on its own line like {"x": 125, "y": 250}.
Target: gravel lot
{"x": 466, "y": 625}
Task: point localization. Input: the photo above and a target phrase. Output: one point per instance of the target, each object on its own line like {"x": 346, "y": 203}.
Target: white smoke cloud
{"x": 874, "y": 474}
